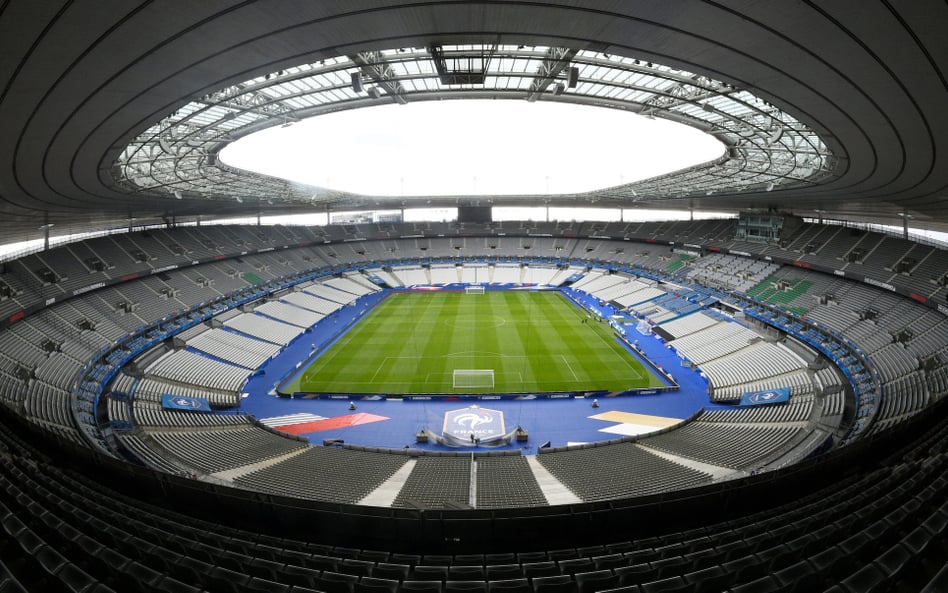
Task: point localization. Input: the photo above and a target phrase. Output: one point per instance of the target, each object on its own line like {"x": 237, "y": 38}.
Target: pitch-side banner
{"x": 180, "y": 402}
{"x": 769, "y": 396}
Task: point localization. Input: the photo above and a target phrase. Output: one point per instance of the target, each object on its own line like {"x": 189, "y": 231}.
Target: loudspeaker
{"x": 572, "y": 77}
{"x": 558, "y": 89}
{"x": 357, "y": 82}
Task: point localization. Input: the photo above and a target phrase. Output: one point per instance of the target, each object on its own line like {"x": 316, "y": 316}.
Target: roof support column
{"x": 45, "y": 228}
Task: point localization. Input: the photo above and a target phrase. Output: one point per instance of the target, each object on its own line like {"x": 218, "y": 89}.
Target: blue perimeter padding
{"x": 559, "y": 421}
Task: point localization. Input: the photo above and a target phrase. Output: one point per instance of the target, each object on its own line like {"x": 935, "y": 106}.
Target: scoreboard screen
{"x": 475, "y": 214}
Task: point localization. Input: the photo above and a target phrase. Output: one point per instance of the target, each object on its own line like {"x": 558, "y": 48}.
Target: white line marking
{"x": 569, "y": 367}
{"x": 379, "y": 370}
{"x": 625, "y": 355}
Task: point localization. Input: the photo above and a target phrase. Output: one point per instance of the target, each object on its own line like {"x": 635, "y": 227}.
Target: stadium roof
{"x": 111, "y": 112}
{"x": 767, "y": 146}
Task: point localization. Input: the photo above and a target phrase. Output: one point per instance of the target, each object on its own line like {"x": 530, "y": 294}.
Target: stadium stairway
{"x": 246, "y": 469}
{"x": 554, "y": 490}
{"x": 385, "y": 494}
{"x": 717, "y": 472}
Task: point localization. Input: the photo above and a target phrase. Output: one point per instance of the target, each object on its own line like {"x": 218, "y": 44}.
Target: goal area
{"x": 474, "y": 378}
{"x": 473, "y": 290}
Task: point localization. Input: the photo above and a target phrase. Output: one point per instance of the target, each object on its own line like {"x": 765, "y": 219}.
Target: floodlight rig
{"x": 554, "y": 67}
{"x": 374, "y": 68}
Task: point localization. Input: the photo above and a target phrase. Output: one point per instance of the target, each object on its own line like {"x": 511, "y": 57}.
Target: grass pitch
{"x": 534, "y": 342}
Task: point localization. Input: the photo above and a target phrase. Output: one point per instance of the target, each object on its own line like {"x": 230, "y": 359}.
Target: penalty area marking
{"x": 479, "y": 353}
{"x": 496, "y": 374}
{"x": 387, "y": 359}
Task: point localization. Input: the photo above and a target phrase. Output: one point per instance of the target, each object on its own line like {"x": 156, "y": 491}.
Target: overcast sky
{"x": 465, "y": 147}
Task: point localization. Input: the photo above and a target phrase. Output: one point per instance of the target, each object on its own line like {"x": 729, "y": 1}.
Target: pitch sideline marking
{"x": 625, "y": 355}
{"x": 570, "y": 367}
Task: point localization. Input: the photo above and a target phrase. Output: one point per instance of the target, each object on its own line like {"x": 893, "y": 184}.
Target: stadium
{"x": 726, "y": 375}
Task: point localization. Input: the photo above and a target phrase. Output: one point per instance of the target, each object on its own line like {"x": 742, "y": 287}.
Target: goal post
{"x": 473, "y": 378}
{"x": 473, "y": 290}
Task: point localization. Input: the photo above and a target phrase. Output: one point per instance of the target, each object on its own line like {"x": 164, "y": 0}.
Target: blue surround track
{"x": 559, "y": 421}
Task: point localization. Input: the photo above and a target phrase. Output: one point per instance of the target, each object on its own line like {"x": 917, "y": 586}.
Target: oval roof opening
{"x": 473, "y": 147}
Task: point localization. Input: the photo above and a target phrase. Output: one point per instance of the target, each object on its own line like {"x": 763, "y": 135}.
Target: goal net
{"x": 474, "y": 290}
{"x": 474, "y": 378}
